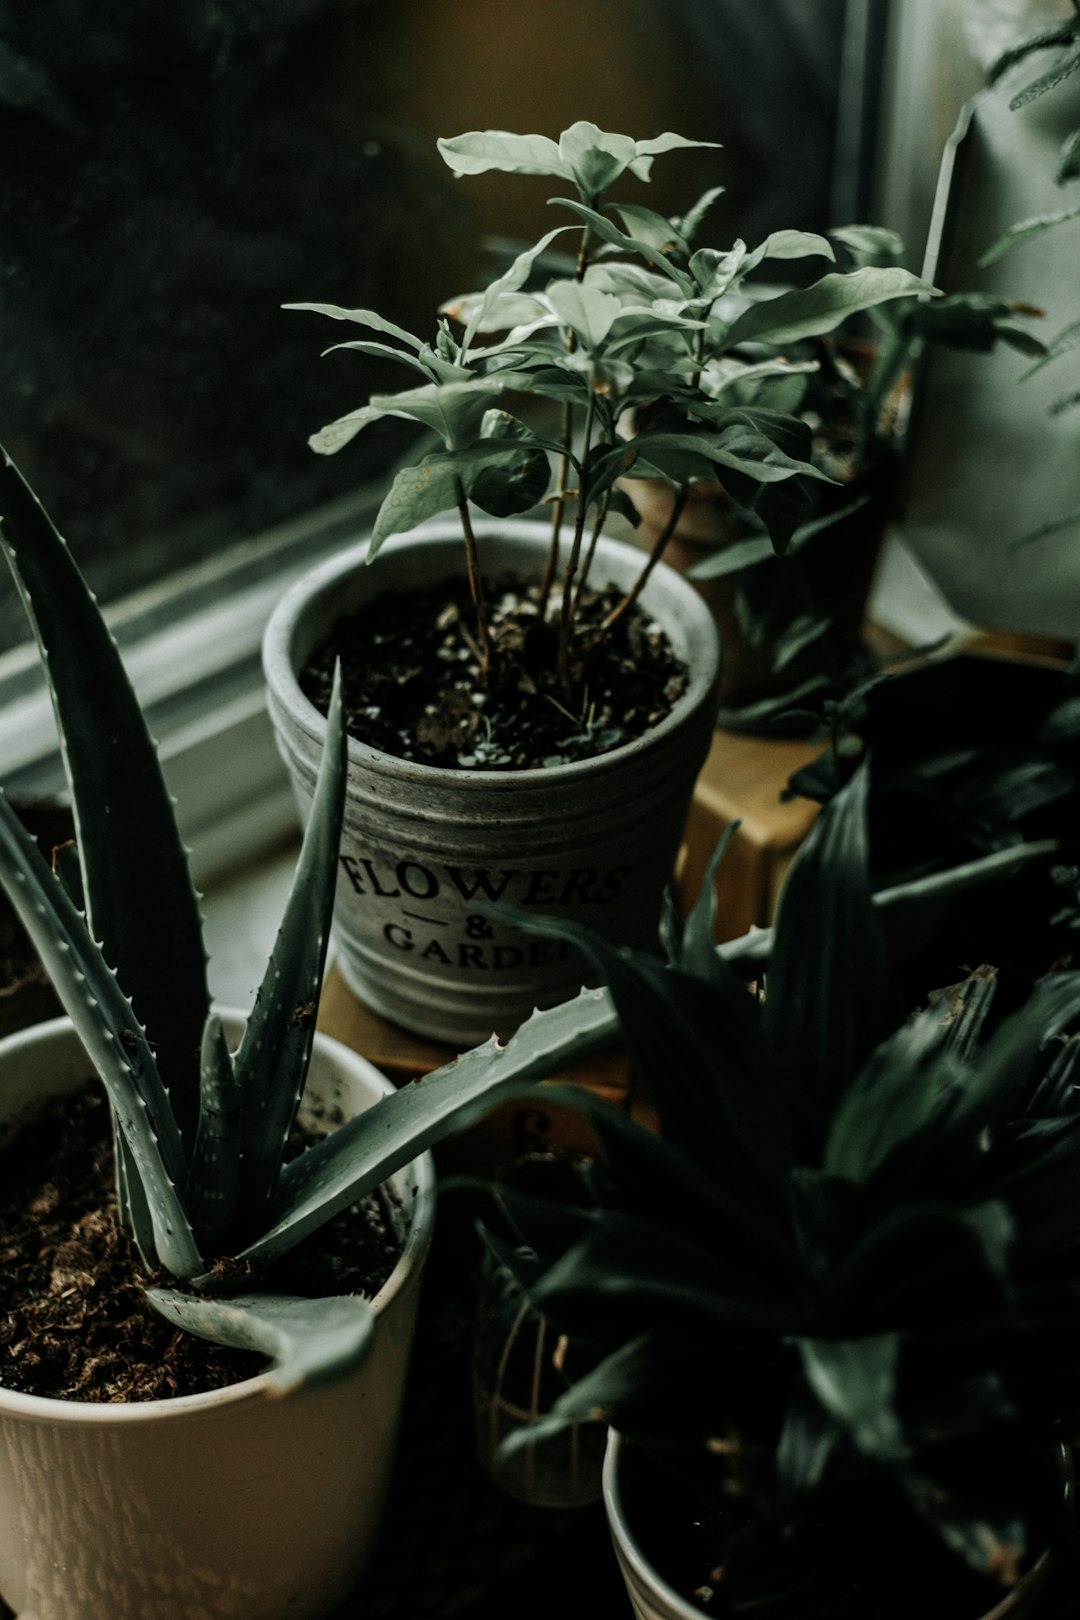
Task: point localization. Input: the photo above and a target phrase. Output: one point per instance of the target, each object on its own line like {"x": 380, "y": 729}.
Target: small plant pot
{"x": 424, "y": 848}
{"x": 652, "y": 1598}
{"x": 228, "y": 1505}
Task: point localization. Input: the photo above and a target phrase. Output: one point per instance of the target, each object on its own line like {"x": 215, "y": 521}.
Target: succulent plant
{"x": 200, "y": 1133}
{"x": 844, "y": 1277}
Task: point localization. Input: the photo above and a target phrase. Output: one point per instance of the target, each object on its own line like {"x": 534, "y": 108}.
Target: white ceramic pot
{"x": 230, "y": 1505}
{"x": 653, "y": 1599}
{"x": 594, "y": 841}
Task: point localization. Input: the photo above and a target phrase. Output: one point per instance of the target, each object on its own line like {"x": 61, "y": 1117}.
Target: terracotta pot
{"x": 653, "y": 1599}
{"x": 229, "y": 1505}
{"x": 829, "y": 576}
{"x": 593, "y": 841}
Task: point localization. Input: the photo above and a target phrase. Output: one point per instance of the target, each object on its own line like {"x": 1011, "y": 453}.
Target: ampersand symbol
{"x": 477, "y": 927}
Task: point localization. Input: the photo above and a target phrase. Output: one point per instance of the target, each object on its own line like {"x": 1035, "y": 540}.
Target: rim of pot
{"x": 258, "y": 1387}
{"x": 702, "y": 658}
{"x": 649, "y": 1576}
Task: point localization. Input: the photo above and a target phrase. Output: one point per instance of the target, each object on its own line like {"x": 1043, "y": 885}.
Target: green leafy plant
{"x": 637, "y": 318}
{"x": 839, "y": 1291}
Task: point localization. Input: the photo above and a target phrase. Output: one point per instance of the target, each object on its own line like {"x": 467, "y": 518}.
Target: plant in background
{"x": 1063, "y": 39}
{"x": 839, "y": 1293}
{"x": 641, "y": 319}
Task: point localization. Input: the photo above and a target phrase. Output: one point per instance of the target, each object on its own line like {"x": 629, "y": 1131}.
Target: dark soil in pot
{"x": 413, "y": 686}
{"x": 74, "y": 1323}
{"x": 862, "y": 1556}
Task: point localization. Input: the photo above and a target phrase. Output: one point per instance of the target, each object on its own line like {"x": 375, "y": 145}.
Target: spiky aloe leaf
{"x": 111, "y": 1033}
{"x": 140, "y": 899}
{"x": 366, "y": 1149}
{"x": 214, "y": 1179}
{"x": 272, "y": 1061}
{"x": 309, "y": 1341}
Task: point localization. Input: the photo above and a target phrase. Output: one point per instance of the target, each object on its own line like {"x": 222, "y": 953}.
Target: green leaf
{"x": 309, "y": 1341}
{"x": 628, "y": 1276}
{"x": 362, "y": 317}
{"x": 510, "y": 282}
{"x": 275, "y": 1050}
{"x": 383, "y": 351}
{"x": 504, "y": 488}
{"x": 1026, "y": 230}
{"x": 452, "y": 410}
{"x": 871, "y": 245}
{"x": 214, "y": 1179}
{"x": 1068, "y": 165}
{"x": 901, "y": 904}
{"x": 690, "y": 222}
{"x": 791, "y": 245}
{"x": 647, "y": 226}
{"x": 1059, "y": 33}
{"x": 141, "y": 903}
{"x": 896, "y": 1095}
{"x": 1063, "y": 69}
{"x": 1066, "y": 340}
{"x": 589, "y": 314}
{"x": 733, "y": 558}
{"x": 594, "y": 157}
{"x": 360, "y": 1154}
{"x": 480, "y": 151}
{"x": 665, "y": 143}
{"x": 717, "y": 1100}
{"x": 331, "y": 438}
{"x": 855, "y": 1381}
{"x": 812, "y": 311}
{"x": 801, "y": 633}
{"x": 698, "y": 954}
{"x": 416, "y": 493}
{"x": 114, "y": 1039}
{"x": 608, "y": 232}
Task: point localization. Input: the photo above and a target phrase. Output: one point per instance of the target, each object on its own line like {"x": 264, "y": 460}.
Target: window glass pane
{"x": 171, "y": 174}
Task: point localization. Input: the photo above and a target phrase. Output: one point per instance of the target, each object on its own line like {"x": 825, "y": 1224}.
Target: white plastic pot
{"x": 593, "y": 841}
{"x": 653, "y": 1599}
{"x": 229, "y": 1505}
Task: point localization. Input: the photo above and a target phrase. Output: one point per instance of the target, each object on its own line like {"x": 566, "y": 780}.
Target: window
{"x": 172, "y": 175}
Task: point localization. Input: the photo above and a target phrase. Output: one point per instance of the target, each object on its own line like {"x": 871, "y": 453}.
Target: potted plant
{"x": 791, "y": 616}
{"x": 832, "y": 1309}
{"x": 554, "y": 744}
{"x": 261, "y": 1497}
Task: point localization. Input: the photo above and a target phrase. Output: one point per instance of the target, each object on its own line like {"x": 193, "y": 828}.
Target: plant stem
{"x": 657, "y": 552}
{"x": 565, "y": 437}
{"x": 560, "y": 503}
{"x": 566, "y": 613}
{"x": 476, "y": 586}
{"x": 601, "y": 519}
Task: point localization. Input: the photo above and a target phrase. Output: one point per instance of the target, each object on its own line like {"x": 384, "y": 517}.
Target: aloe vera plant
{"x": 200, "y": 1133}
{"x": 841, "y": 1287}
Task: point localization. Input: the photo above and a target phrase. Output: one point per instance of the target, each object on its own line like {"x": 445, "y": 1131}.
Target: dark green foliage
{"x": 846, "y": 1272}
{"x": 969, "y": 756}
